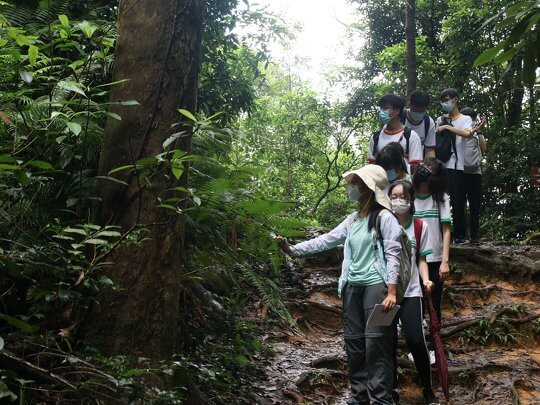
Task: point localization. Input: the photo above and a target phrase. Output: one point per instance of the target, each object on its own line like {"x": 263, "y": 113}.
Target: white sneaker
{"x": 410, "y": 357}
{"x": 431, "y": 357}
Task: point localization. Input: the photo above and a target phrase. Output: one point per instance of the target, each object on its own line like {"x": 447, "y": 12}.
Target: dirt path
{"x": 490, "y": 329}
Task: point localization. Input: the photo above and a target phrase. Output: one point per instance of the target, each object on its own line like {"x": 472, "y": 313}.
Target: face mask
{"x": 353, "y": 191}
{"x": 392, "y": 175}
{"x": 447, "y": 106}
{"x": 384, "y": 116}
{"x": 400, "y": 206}
{"x": 416, "y": 116}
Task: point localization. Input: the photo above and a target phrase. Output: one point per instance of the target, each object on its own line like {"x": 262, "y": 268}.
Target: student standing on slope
{"x": 361, "y": 285}
{"x": 411, "y": 312}
{"x": 390, "y": 111}
{"x": 472, "y": 173}
{"x": 431, "y": 205}
{"x": 460, "y": 127}
{"x": 419, "y": 121}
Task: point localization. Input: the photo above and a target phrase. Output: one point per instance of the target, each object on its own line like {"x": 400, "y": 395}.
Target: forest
{"x": 150, "y": 151}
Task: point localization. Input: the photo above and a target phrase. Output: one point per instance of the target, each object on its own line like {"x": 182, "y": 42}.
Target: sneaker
{"x": 410, "y": 357}
{"x": 395, "y": 397}
{"x": 459, "y": 241}
{"x": 432, "y": 358}
{"x": 430, "y": 398}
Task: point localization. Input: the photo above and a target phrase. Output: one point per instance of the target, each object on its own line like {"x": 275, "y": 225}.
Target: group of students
{"x": 455, "y": 138}
{"x": 404, "y": 190}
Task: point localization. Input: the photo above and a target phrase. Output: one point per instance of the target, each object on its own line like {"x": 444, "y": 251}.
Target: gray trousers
{"x": 369, "y": 349}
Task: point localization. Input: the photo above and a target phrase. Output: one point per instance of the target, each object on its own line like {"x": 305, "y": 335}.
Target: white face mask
{"x": 400, "y": 206}
{"x": 353, "y": 191}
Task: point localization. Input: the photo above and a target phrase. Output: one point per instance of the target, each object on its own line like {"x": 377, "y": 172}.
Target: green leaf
{"x": 75, "y": 230}
{"x": 488, "y": 55}
{"x": 6, "y": 393}
{"x": 22, "y": 177}
{"x": 109, "y": 233}
{"x": 71, "y": 86}
{"x": 64, "y": 20}
{"x": 74, "y": 127}
{"x": 121, "y": 168}
{"x": 114, "y": 115}
{"x": 22, "y": 325}
{"x": 187, "y": 114}
{"x": 7, "y": 159}
{"x": 26, "y": 76}
{"x": 33, "y": 53}
{"x": 40, "y": 164}
{"x": 529, "y": 65}
{"x": 177, "y": 171}
{"x": 105, "y": 280}
{"x": 95, "y": 241}
{"x": 5, "y": 166}
{"x": 113, "y": 179}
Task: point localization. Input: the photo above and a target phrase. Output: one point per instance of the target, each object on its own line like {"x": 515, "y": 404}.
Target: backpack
{"x": 473, "y": 155}
{"x": 445, "y": 142}
{"x": 404, "y": 257}
{"x": 406, "y": 135}
{"x": 426, "y": 124}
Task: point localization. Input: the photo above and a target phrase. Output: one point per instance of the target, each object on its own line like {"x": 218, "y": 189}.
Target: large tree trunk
{"x": 410, "y": 33}
{"x": 158, "y": 52}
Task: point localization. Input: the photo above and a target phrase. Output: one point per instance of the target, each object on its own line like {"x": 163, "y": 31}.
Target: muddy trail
{"x": 491, "y": 333}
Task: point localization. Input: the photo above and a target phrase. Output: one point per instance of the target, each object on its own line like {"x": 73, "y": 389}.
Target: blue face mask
{"x": 392, "y": 175}
{"x": 417, "y": 116}
{"x": 447, "y": 106}
{"x": 384, "y": 116}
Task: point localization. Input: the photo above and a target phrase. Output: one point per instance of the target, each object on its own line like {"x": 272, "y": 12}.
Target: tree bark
{"x": 158, "y": 53}
{"x": 410, "y": 33}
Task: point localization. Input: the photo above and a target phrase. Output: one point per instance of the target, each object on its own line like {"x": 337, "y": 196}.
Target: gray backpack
{"x": 473, "y": 155}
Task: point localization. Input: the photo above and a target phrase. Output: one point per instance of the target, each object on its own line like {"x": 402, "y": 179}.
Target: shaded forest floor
{"x": 491, "y": 332}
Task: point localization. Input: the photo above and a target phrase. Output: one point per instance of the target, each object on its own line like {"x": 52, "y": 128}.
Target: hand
{"x": 428, "y": 285}
{"x": 389, "y": 302}
{"x": 442, "y": 128}
{"x": 444, "y": 271}
{"x": 283, "y": 245}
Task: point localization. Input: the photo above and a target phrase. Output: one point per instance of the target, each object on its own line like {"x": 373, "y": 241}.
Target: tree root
{"x": 324, "y": 307}
{"x": 330, "y": 361}
{"x": 31, "y": 371}
{"x": 462, "y": 325}
{"x": 293, "y": 395}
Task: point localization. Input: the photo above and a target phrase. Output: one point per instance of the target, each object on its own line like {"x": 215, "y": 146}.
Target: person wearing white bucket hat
{"x": 361, "y": 284}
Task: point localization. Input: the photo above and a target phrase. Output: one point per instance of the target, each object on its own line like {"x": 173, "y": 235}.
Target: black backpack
{"x": 406, "y": 135}
{"x": 445, "y": 142}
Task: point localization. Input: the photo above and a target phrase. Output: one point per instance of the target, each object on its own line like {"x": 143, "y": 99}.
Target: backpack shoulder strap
{"x": 376, "y": 136}
{"x": 426, "y": 125}
{"x": 407, "y": 135}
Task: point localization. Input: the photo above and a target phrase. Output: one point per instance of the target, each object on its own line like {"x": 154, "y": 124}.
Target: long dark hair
{"x": 391, "y": 157}
{"x": 432, "y": 171}
{"x": 373, "y": 214}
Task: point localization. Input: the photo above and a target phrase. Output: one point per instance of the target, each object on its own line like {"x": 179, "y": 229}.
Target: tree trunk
{"x": 158, "y": 52}
{"x": 410, "y": 33}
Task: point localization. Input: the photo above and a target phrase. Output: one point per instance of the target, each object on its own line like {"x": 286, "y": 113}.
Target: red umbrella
{"x": 440, "y": 358}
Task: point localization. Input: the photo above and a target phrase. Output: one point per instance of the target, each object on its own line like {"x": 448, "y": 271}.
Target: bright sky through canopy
{"x": 321, "y": 43}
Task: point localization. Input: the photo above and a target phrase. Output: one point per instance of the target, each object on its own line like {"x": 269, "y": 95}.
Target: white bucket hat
{"x": 375, "y": 179}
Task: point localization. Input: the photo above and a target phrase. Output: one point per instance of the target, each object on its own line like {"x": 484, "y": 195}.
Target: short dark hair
{"x": 452, "y": 93}
{"x": 419, "y": 98}
{"x": 391, "y": 157}
{"x": 470, "y": 112}
{"x": 392, "y": 100}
